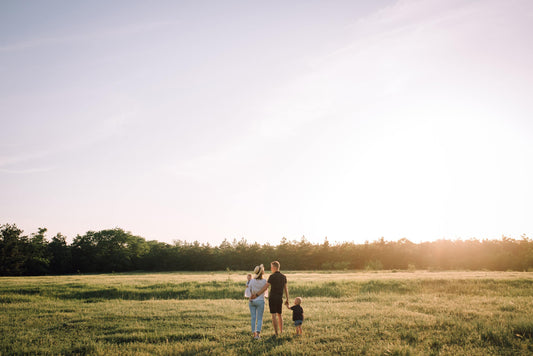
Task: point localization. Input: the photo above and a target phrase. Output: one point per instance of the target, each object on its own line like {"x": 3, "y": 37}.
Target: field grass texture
{"x": 383, "y": 313}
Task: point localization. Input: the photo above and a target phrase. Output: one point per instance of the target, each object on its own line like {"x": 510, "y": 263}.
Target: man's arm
{"x": 286, "y": 292}
{"x": 261, "y": 291}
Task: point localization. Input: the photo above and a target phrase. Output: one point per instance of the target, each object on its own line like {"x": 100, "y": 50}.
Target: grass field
{"x": 383, "y": 313}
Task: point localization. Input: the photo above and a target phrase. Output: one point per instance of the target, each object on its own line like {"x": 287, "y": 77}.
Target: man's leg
{"x": 275, "y": 323}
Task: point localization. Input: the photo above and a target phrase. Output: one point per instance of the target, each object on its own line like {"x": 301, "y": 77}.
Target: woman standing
{"x": 257, "y": 305}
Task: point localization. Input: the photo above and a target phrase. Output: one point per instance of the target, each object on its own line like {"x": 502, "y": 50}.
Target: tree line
{"x": 116, "y": 250}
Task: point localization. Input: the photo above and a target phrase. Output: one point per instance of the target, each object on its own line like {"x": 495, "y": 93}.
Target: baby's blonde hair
{"x": 298, "y": 300}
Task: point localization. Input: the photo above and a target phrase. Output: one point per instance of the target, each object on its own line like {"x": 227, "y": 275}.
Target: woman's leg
{"x": 253, "y": 312}
{"x": 260, "y": 310}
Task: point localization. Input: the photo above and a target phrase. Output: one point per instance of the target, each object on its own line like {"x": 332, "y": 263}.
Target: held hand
{"x": 253, "y": 296}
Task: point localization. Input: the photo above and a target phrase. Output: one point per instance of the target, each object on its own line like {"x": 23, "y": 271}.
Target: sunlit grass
{"x": 353, "y": 313}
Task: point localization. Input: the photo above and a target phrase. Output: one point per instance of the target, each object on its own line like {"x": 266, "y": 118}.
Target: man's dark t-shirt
{"x": 277, "y": 281}
{"x": 297, "y": 313}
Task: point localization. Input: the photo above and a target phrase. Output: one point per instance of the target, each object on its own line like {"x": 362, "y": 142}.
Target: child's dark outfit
{"x": 297, "y": 315}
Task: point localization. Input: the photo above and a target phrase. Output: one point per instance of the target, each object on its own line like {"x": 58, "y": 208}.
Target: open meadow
{"x": 372, "y": 313}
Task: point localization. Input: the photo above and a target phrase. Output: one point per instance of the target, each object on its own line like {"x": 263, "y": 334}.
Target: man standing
{"x": 278, "y": 284}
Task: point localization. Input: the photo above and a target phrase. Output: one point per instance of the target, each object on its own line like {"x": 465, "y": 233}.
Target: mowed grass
{"x": 385, "y": 313}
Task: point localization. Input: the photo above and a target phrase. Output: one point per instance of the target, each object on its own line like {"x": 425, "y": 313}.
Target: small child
{"x": 247, "y": 291}
{"x": 297, "y": 314}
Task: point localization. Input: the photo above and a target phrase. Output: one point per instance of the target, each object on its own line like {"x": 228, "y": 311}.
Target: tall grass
{"x": 348, "y": 313}
{"x": 234, "y": 290}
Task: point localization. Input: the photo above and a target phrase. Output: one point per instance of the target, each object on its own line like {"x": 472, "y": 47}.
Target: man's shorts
{"x": 275, "y": 305}
{"x": 298, "y": 322}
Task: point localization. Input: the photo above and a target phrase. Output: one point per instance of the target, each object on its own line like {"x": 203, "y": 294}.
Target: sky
{"x": 213, "y": 120}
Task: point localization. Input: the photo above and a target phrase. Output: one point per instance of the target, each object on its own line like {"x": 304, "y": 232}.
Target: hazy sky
{"x": 205, "y": 120}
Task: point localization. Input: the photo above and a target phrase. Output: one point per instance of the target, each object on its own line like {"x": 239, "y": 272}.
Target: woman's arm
{"x": 261, "y": 291}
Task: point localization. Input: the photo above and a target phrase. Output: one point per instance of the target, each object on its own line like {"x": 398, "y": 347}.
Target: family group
{"x": 257, "y": 291}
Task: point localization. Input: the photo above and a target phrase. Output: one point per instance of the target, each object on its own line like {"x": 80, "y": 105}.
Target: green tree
{"x": 158, "y": 257}
{"x": 112, "y": 250}
{"x": 38, "y": 256}
{"x": 13, "y": 250}
{"x": 61, "y": 255}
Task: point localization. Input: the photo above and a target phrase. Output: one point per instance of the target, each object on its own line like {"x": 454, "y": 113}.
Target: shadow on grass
{"x": 268, "y": 343}
{"x": 181, "y": 291}
{"x": 155, "y": 339}
{"x": 234, "y": 290}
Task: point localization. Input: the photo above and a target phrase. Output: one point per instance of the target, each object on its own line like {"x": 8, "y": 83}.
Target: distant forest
{"x": 116, "y": 250}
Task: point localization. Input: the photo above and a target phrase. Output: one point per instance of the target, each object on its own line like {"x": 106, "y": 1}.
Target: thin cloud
{"x": 26, "y": 171}
{"x": 21, "y": 157}
{"x": 111, "y": 127}
{"x": 391, "y": 21}
{"x": 127, "y": 30}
